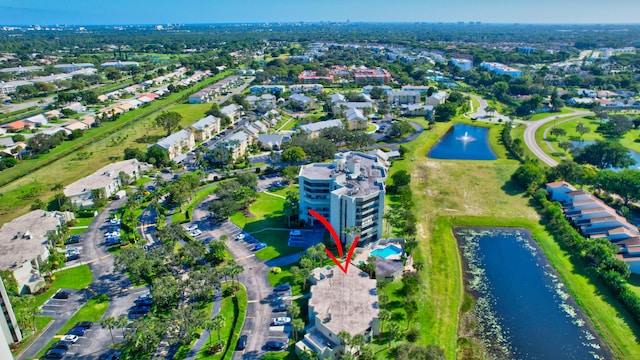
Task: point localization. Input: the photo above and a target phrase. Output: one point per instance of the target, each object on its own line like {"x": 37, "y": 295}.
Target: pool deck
{"x": 365, "y": 253}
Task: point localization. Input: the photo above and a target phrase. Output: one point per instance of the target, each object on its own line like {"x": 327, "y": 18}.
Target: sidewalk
{"x": 217, "y": 302}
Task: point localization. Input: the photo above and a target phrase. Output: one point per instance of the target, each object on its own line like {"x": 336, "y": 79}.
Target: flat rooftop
{"x": 102, "y": 177}
{"x": 24, "y": 237}
{"x": 345, "y": 302}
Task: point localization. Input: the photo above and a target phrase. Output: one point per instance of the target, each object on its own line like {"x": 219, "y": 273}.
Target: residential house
{"x": 377, "y": 75}
{"x": 5, "y": 351}
{"x": 388, "y": 269}
{"x": 340, "y": 108}
{"x": 595, "y": 219}
{"x": 24, "y": 245}
{"x": 403, "y": 97}
{"x": 418, "y": 110}
{"x": 88, "y": 120}
{"x": 21, "y": 69}
{"x": 436, "y": 99}
{"x": 53, "y": 115}
{"x": 205, "y": 128}
{"x": 338, "y": 303}
{"x": 501, "y": 69}
{"x": 177, "y": 144}
{"x": 270, "y": 141}
{"x": 266, "y": 102}
{"x": 301, "y": 102}
{"x": 76, "y": 125}
{"x": 355, "y": 119}
{"x": 109, "y": 178}
{"x": 367, "y": 89}
{"x": 307, "y": 88}
{"x": 270, "y": 89}
{"x": 314, "y": 129}
{"x": 103, "y": 98}
{"x": 349, "y": 192}
{"x": 462, "y": 64}
{"x": 311, "y": 77}
{"x": 76, "y": 107}
{"x": 37, "y": 120}
{"x": 10, "y": 87}
{"x": 252, "y": 131}
{"x": 200, "y": 97}
{"x": 233, "y": 111}
{"x": 18, "y": 125}
{"x": 337, "y": 98}
{"x": 238, "y": 144}
{"x": 423, "y": 90}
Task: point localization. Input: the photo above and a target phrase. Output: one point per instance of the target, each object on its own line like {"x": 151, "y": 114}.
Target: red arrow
{"x": 334, "y": 235}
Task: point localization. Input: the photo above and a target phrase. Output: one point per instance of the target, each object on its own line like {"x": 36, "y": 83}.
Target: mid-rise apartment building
{"x": 349, "y": 192}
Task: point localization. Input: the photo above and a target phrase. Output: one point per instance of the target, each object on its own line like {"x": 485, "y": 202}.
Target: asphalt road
{"x": 254, "y": 278}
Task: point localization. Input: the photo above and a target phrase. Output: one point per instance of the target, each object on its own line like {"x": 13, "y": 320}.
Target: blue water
{"x": 634, "y": 155}
{"x": 452, "y": 147}
{"x": 387, "y": 251}
{"x": 523, "y": 309}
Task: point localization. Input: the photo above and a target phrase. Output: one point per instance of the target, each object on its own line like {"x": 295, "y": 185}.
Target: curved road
{"x": 531, "y": 127}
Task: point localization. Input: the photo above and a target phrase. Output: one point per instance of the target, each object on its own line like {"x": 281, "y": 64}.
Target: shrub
{"x": 276, "y": 270}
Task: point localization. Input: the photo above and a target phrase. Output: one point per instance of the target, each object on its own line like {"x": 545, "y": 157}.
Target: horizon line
{"x": 300, "y": 22}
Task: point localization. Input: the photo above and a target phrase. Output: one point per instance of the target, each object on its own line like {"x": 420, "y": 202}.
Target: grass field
{"x": 181, "y": 217}
{"x": 191, "y": 112}
{"x": 452, "y": 193}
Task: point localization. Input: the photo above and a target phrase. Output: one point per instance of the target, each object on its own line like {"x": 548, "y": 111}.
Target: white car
{"x": 240, "y": 236}
{"x": 195, "y": 233}
{"x": 71, "y": 338}
{"x": 192, "y": 227}
{"x": 281, "y": 321}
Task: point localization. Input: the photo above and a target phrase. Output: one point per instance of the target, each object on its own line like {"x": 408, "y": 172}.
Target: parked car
{"x": 72, "y": 256}
{"x": 275, "y": 345}
{"x": 195, "y": 233}
{"x": 73, "y": 239}
{"x": 56, "y": 353}
{"x": 70, "y": 338}
{"x": 282, "y": 287}
{"x": 259, "y": 246}
{"x": 280, "y": 308}
{"x": 192, "y": 227}
{"x": 139, "y": 310}
{"x": 143, "y": 302}
{"x": 66, "y": 345}
{"x": 84, "y": 324}
{"x": 242, "y": 342}
{"x": 281, "y": 321}
{"x": 240, "y": 236}
{"x": 145, "y": 296}
{"x": 62, "y": 295}
{"x": 79, "y": 331}
{"x": 113, "y": 241}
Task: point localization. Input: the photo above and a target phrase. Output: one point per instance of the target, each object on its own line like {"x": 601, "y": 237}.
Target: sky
{"x": 105, "y": 12}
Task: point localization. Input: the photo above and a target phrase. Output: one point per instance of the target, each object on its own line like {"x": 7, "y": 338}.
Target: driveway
{"x": 254, "y": 278}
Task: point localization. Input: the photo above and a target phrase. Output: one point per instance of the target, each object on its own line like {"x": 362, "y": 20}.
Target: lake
{"x": 463, "y": 142}
{"x": 522, "y": 307}
{"x": 576, "y": 144}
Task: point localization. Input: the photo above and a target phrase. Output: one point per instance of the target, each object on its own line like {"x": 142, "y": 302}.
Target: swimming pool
{"x": 387, "y": 251}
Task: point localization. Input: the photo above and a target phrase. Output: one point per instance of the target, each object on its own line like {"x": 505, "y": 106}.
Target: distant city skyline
{"x": 115, "y": 12}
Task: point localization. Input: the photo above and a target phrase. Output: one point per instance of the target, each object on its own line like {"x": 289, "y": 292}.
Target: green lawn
{"x": 78, "y": 277}
{"x": 83, "y": 221}
{"x": 190, "y": 112}
{"x": 197, "y": 197}
{"x": 234, "y": 319}
{"x": 92, "y": 311}
{"x": 545, "y": 115}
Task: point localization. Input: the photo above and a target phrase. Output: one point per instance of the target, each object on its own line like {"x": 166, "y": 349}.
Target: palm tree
{"x": 394, "y": 331}
{"x": 385, "y": 315}
{"x": 110, "y": 323}
{"x": 121, "y": 322}
{"x": 410, "y": 309}
{"x": 358, "y": 341}
{"x": 345, "y": 338}
{"x": 293, "y": 309}
{"x": 58, "y": 189}
{"x": 297, "y": 325}
{"x": 217, "y": 323}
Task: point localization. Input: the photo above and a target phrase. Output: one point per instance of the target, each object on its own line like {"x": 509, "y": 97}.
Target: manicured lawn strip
{"x": 83, "y": 221}
{"x": 285, "y": 277}
{"x": 141, "y": 181}
{"x": 181, "y": 217}
{"x": 92, "y": 311}
{"x": 62, "y": 165}
{"x": 41, "y": 323}
{"x": 78, "y": 277}
{"x": 277, "y": 244}
{"x": 233, "y": 317}
{"x": 569, "y": 125}
{"x": 544, "y": 115}
{"x": 77, "y": 231}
